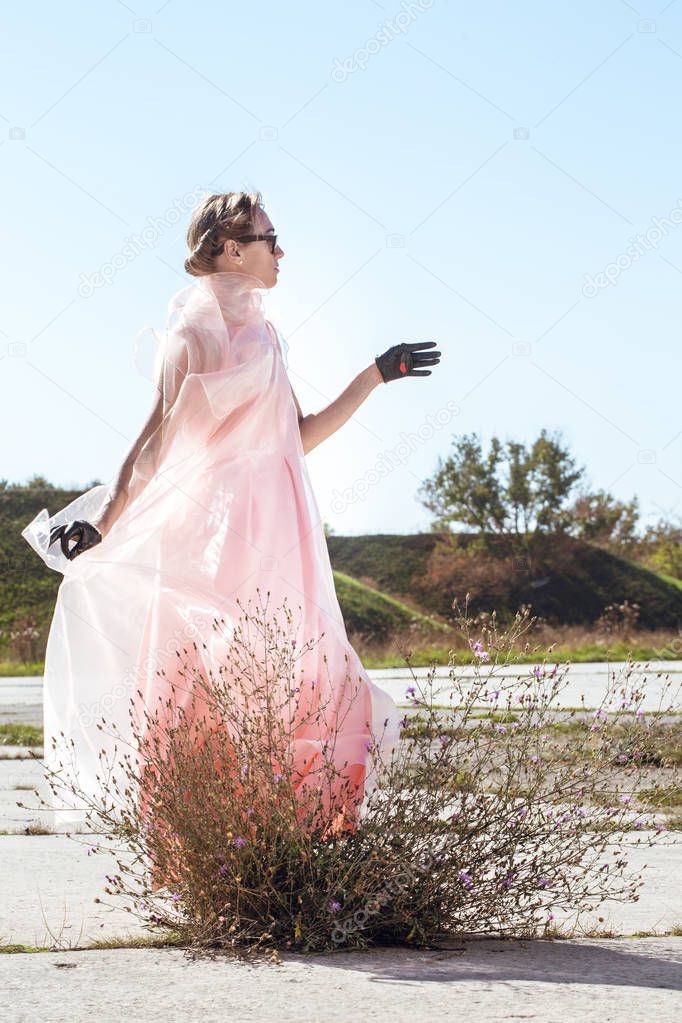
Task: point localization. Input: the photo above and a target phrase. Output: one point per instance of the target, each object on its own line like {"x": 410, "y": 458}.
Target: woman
{"x": 212, "y": 501}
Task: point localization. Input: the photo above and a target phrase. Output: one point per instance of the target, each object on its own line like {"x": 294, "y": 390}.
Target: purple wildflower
{"x": 478, "y": 651}
{"x": 334, "y": 906}
{"x": 239, "y": 841}
{"x": 466, "y": 879}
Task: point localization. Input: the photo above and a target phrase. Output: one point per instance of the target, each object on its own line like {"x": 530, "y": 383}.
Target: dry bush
{"x": 618, "y": 620}
{"x": 474, "y": 826}
{"x": 454, "y": 566}
{"x": 23, "y": 640}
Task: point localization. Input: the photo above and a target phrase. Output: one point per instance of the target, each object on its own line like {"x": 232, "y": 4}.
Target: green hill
{"x": 387, "y": 581}
{"x": 564, "y": 580}
{"x": 374, "y": 614}
{"x": 27, "y": 587}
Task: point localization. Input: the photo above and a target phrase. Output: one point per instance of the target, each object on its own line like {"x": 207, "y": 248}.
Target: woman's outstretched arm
{"x": 317, "y": 426}
{"x": 408, "y": 358}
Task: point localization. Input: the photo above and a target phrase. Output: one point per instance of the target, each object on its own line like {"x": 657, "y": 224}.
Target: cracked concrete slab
{"x": 20, "y": 776}
{"x": 483, "y": 980}
{"x": 49, "y": 883}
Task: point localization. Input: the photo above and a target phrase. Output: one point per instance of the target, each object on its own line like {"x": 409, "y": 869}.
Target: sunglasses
{"x": 272, "y": 238}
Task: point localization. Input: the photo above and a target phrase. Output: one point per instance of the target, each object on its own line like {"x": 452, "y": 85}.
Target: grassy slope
{"x": 380, "y": 579}
{"x": 565, "y": 581}
{"x": 371, "y": 612}
{"x": 27, "y": 586}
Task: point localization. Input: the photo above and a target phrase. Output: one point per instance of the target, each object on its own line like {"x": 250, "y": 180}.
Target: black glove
{"x": 85, "y": 534}
{"x": 406, "y": 360}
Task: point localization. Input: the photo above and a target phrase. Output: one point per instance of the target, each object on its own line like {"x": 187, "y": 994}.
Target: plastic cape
{"x": 220, "y": 504}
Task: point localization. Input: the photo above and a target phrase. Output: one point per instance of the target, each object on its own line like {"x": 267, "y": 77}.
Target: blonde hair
{"x": 218, "y": 217}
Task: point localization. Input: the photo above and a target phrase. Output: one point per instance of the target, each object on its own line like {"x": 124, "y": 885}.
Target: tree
{"x": 662, "y": 547}
{"x": 553, "y": 476}
{"x": 466, "y": 488}
{"x": 35, "y": 482}
{"x": 601, "y": 519}
{"x": 511, "y": 489}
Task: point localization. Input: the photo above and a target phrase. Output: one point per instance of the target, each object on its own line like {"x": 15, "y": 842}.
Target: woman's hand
{"x": 407, "y": 360}
{"x": 84, "y": 533}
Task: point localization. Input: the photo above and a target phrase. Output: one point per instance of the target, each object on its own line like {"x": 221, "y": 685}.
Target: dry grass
{"x": 577, "y": 642}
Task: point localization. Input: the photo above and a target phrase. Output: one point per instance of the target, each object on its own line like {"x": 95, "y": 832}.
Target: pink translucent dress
{"x": 220, "y": 502}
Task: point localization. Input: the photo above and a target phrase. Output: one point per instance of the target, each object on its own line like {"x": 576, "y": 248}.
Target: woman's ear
{"x": 231, "y": 248}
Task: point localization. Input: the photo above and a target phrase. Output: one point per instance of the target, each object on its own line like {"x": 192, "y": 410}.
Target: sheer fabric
{"x": 220, "y": 502}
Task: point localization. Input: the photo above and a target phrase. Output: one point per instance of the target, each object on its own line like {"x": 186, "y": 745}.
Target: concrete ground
{"x": 637, "y": 979}
{"x": 49, "y": 883}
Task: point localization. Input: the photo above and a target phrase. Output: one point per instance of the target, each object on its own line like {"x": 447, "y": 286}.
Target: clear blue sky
{"x": 435, "y": 170}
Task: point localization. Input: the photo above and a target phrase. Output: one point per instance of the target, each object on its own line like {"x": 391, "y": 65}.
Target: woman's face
{"x": 253, "y": 257}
